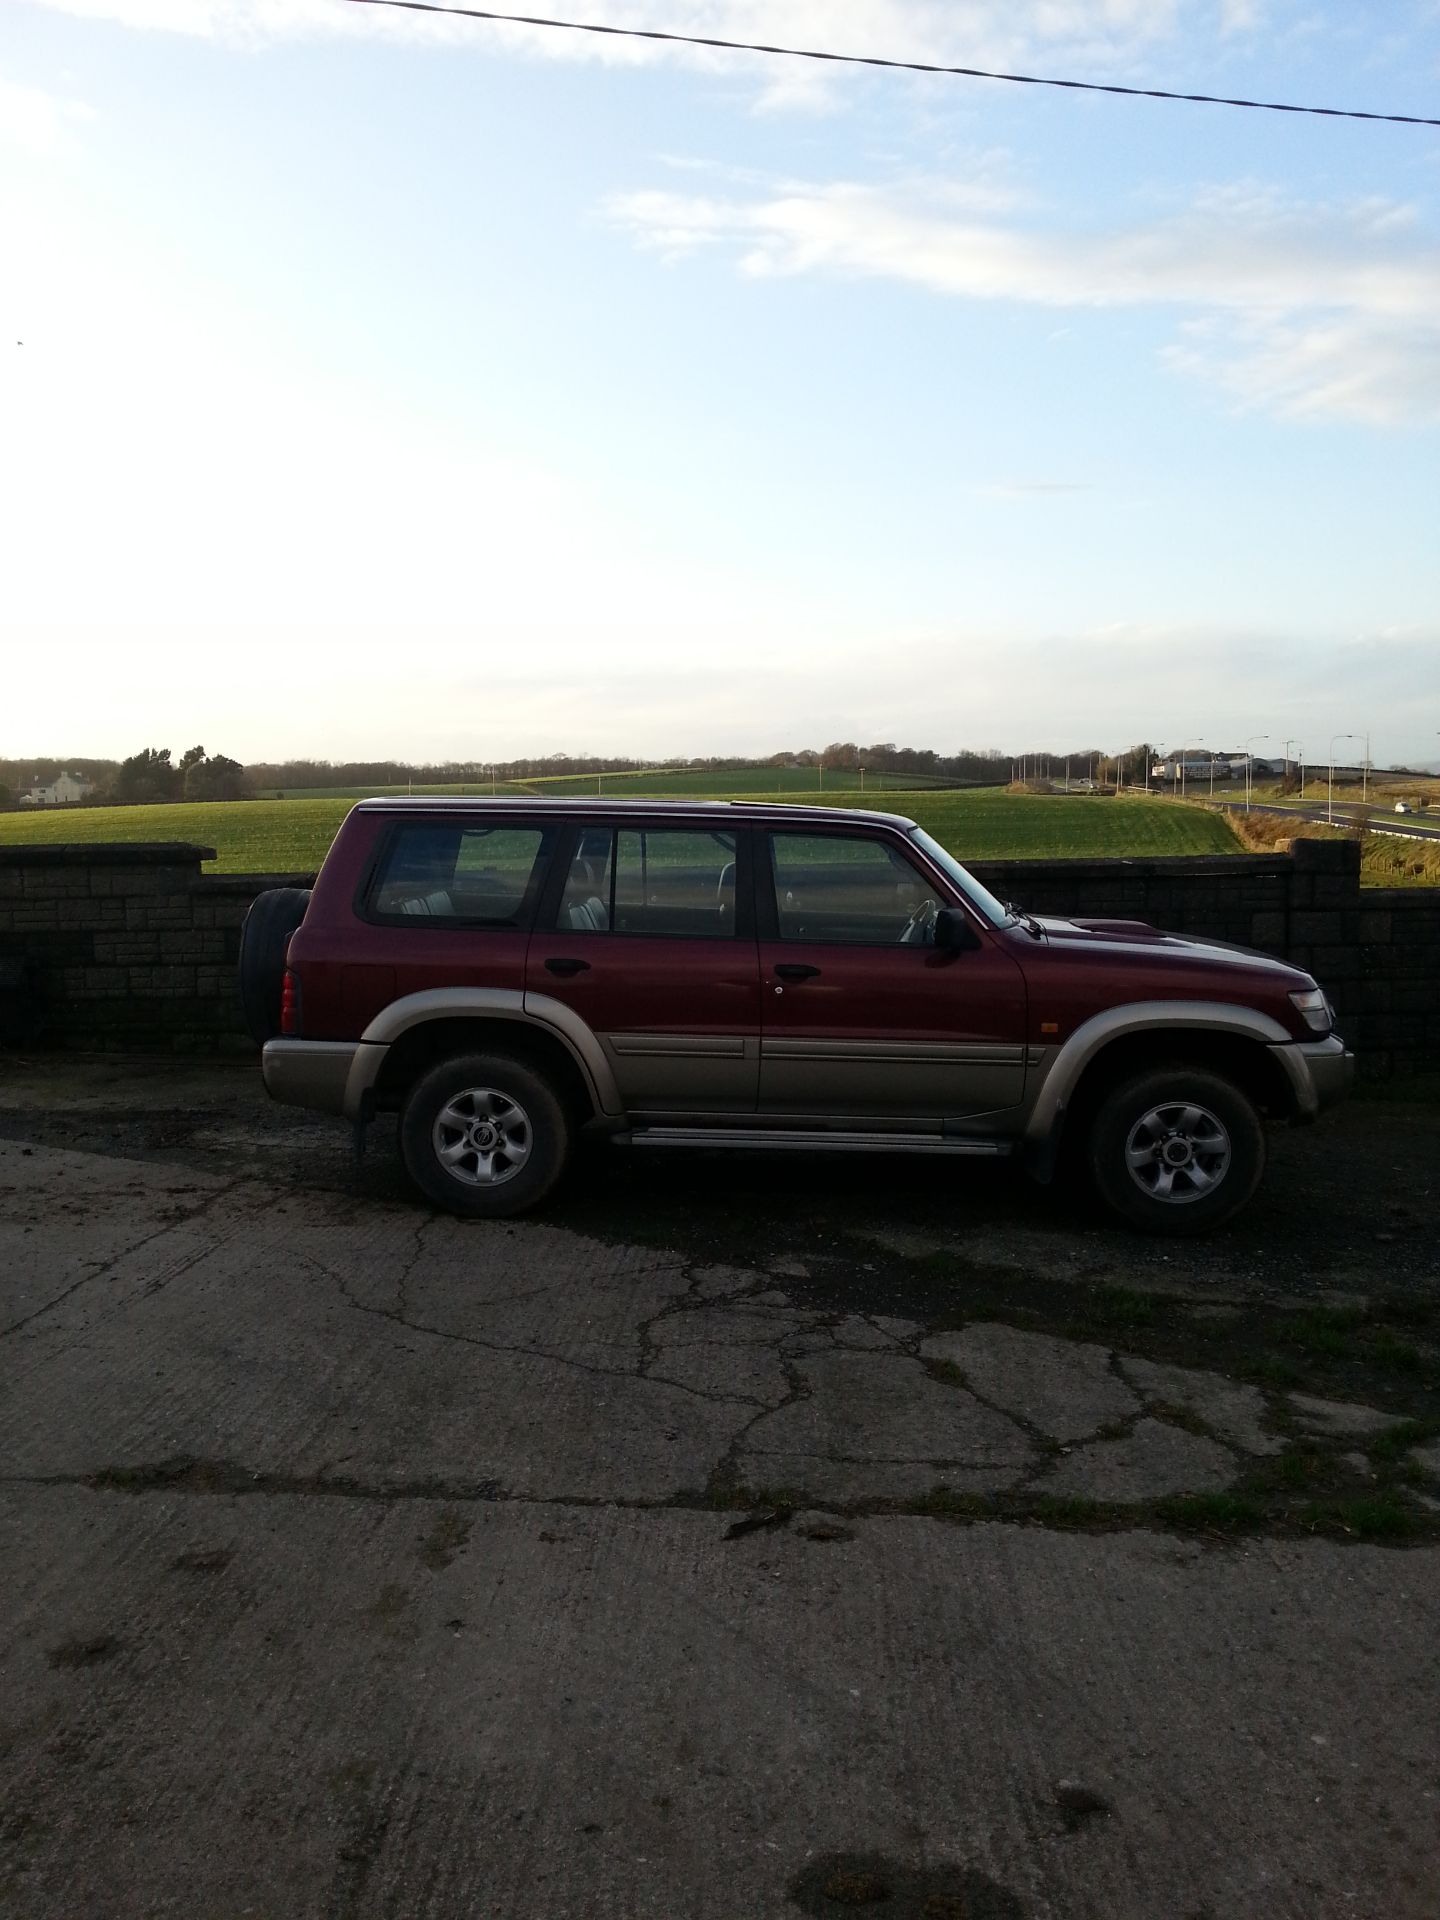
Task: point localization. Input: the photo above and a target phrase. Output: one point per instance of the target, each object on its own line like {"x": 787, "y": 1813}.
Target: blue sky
{"x": 401, "y": 386}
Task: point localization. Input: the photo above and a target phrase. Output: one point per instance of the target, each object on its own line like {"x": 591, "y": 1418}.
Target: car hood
{"x": 1137, "y": 940}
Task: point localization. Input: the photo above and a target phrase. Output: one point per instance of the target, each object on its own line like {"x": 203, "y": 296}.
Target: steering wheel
{"x": 920, "y": 927}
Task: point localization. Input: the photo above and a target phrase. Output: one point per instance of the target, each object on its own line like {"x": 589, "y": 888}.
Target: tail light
{"x": 290, "y": 1005}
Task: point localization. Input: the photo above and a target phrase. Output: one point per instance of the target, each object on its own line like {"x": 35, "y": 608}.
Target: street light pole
{"x": 1330, "y": 792}
{"x": 1288, "y": 761}
{"x": 1199, "y": 743}
{"x": 1248, "y": 764}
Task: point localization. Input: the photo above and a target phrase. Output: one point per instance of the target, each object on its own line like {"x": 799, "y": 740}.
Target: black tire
{"x": 503, "y": 1087}
{"x": 264, "y": 936}
{"x": 1197, "y": 1146}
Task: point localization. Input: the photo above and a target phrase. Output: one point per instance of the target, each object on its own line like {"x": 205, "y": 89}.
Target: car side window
{"x": 660, "y": 881}
{"x": 845, "y": 890}
{"x": 478, "y": 875}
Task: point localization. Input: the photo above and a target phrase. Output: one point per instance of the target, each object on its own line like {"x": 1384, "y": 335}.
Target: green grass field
{"x": 795, "y": 782}
{"x": 474, "y": 787}
{"x": 249, "y": 836}
{"x": 292, "y": 836}
{"x": 988, "y": 823}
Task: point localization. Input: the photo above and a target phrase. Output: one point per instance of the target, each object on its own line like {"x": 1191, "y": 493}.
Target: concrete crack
{"x": 108, "y": 1266}
{"x": 399, "y": 1319}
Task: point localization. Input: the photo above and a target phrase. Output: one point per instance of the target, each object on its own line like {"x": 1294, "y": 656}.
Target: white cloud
{"x": 1240, "y": 16}
{"x": 38, "y": 122}
{"x": 432, "y": 689}
{"x": 1311, "y": 309}
{"x": 1351, "y": 367}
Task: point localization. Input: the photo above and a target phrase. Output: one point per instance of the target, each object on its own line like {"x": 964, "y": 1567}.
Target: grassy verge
{"x": 1384, "y": 861}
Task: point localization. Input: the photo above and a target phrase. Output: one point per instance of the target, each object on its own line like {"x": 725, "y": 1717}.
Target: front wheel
{"x": 1176, "y": 1150}
{"x": 484, "y": 1135}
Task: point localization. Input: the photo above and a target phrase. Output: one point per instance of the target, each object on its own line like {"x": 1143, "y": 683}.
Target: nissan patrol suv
{"x": 504, "y": 973}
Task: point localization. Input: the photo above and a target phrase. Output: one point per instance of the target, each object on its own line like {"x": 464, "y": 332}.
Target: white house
{"x": 63, "y": 791}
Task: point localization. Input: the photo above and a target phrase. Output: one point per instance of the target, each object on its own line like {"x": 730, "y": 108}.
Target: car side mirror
{"x": 954, "y": 932}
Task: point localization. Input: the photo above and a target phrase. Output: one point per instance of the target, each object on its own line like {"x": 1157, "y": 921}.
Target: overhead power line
{"x": 899, "y": 66}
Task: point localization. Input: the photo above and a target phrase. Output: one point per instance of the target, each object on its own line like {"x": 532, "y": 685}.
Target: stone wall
{"x": 123, "y": 948}
{"x": 133, "y": 948}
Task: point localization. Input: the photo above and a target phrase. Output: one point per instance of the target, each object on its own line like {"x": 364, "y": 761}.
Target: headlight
{"x": 1314, "y": 1009}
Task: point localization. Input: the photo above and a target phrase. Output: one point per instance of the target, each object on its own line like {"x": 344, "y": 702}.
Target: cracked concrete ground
{"x": 362, "y": 1562}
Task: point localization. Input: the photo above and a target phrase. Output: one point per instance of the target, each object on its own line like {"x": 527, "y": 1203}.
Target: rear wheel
{"x": 484, "y": 1135}
{"x": 1176, "y": 1150}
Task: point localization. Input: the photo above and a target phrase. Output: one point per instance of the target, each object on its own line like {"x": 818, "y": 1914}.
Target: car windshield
{"x": 979, "y": 897}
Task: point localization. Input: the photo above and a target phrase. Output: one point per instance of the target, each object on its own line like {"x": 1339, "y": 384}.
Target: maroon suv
{"x": 503, "y": 973}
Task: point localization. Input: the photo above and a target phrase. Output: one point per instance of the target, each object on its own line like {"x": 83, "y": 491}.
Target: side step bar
{"x": 775, "y": 1139}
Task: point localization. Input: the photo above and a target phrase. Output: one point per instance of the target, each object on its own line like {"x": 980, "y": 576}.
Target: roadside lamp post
{"x": 1289, "y": 759}
{"x": 1330, "y": 791}
{"x": 1249, "y": 765}
{"x": 1365, "y": 773}
{"x": 1183, "y": 751}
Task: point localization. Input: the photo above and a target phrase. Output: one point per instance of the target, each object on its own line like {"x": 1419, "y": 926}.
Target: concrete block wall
{"x": 123, "y": 948}
{"x": 133, "y": 948}
{"x": 1246, "y": 899}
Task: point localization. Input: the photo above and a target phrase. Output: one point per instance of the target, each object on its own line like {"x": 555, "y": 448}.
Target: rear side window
{"x": 475, "y": 875}
{"x": 660, "y": 881}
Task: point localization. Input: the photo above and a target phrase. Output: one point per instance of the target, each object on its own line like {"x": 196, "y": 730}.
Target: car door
{"x": 651, "y": 940}
{"x": 863, "y": 1015}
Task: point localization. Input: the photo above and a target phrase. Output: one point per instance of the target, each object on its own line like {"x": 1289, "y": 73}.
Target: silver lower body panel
{"x": 309, "y": 1073}
{"x": 772, "y": 1139}
{"x": 1321, "y": 1073}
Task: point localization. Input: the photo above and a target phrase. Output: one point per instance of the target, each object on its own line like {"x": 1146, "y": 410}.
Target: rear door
{"x": 651, "y": 940}
{"x": 863, "y": 1016}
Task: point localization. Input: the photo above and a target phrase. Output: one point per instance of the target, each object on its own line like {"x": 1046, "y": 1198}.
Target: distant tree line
{"x": 990, "y": 766}
{"x": 152, "y": 775}
{"x": 148, "y": 776}
{"x": 1050, "y": 769}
